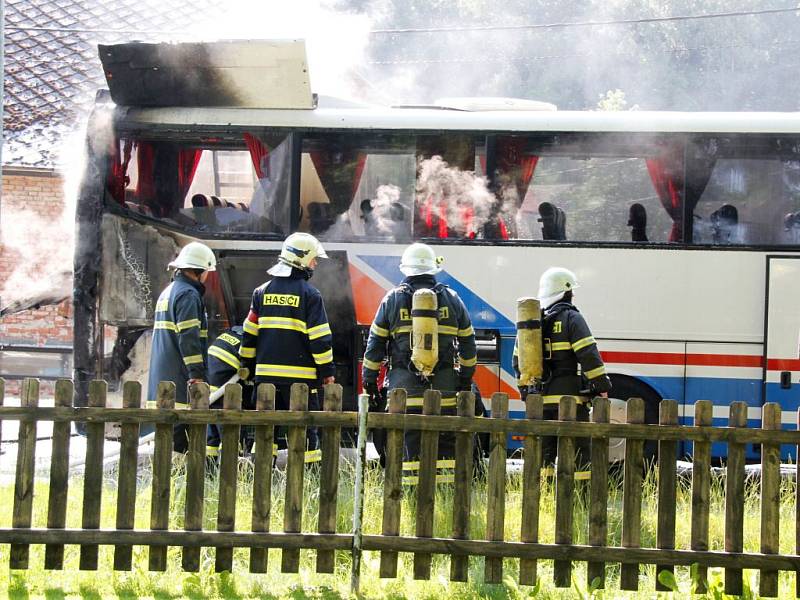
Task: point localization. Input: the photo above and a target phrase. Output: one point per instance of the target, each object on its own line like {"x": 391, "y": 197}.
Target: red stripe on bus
{"x": 783, "y": 364}
{"x": 696, "y": 360}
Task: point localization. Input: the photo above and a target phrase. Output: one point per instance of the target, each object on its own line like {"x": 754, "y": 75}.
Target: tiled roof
{"x": 52, "y": 69}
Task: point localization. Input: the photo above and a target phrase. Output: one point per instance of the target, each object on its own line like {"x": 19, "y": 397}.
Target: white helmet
{"x": 297, "y": 252}
{"x": 195, "y": 255}
{"x": 420, "y": 259}
{"x": 554, "y": 283}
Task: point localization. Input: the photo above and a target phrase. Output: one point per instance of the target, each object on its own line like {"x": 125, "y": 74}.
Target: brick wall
{"x": 43, "y": 195}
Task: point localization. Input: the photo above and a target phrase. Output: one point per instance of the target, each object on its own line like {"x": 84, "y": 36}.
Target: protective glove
{"x": 523, "y": 392}
{"x": 371, "y": 388}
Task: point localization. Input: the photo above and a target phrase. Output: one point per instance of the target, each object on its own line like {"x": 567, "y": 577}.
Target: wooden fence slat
{"x": 426, "y": 485}
{"x": 162, "y": 473}
{"x": 531, "y": 488}
{"x": 262, "y": 476}
{"x": 598, "y": 494}
{"x": 24, "y": 480}
{"x": 565, "y": 487}
{"x": 734, "y": 499}
{"x": 462, "y": 488}
{"x": 228, "y": 475}
{"x": 329, "y": 476}
{"x": 701, "y": 490}
{"x": 770, "y": 497}
{"x": 93, "y": 475}
{"x": 195, "y": 476}
{"x": 667, "y": 487}
{"x": 59, "y": 476}
{"x": 126, "y": 482}
{"x": 393, "y": 483}
{"x": 293, "y": 504}
{"x": 496, "y": 489}
{"x": 632, "y": 495}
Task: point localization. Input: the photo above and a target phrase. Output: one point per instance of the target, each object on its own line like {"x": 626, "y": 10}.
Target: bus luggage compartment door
{"x": 782, "y": 332}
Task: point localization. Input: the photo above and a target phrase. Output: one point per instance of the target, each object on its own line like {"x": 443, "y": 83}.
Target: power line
{"x": 565, "y": 25}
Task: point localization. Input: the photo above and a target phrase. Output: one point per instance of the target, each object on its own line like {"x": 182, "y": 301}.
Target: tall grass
{"x": 307, "y": 584}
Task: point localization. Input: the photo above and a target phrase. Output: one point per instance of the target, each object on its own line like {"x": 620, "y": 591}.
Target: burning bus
{"x": 682, "y": 227}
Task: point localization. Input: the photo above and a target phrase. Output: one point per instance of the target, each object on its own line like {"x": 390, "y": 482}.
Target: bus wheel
{"x": 624, "y": 387}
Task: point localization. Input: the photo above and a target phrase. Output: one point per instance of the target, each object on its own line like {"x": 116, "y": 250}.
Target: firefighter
{"x": 224, "y": 366}
{"x": 287, "y": 338}
{"x": 180, "y": 331}
{"x": 434, "y": 317}
{"x": 572, "y": 363}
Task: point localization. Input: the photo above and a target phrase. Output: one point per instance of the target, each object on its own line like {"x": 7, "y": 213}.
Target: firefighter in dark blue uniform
{"x": 572, "y": 362}
{"x": 224, "y": 366}
{"x": 287, "y": 338}
{"x": 180, "y": 331}
{"x": 391, "y": 333}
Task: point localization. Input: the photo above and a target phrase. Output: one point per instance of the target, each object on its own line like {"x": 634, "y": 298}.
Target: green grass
{"x": 307, "y": 584}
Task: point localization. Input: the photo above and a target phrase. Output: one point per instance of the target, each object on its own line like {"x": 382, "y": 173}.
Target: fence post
{"x": 701, "y": 490}
{"x": 126, "y": 481}
{"x": 93, "y": 475}
{"x": 565, "y": 486}
{"x": 295, "y": 455}
{"x": 496, "y": 489}
{"x": 329, "y": 476}
{"x": 426, "y": 485}
{"x": 770, "y": 497}
{"x": 195, "y": 476}
{"x": 162, "y": 470}
{"x": 462, "y": 492}
{"x": 531, "y": 489}
{"x": 734, "y": 499}
{"x": 358, "y": 491}
{"x": 632, "y": 496}
{"x": 667, "y": 482}
{"x": 23, "y": 485}
{"x": 598, "y": 494}
{"x": 59, "y": 476}
{"x": 262, "y": 476}
{"x": 393, "y": 482}
{"x": 228, "y": 472}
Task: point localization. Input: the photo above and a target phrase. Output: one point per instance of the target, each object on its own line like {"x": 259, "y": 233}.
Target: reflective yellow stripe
{"x": 560, "y": 346}
{"x": 246, "y": 352}
{"x": 466, "y": 332}
{"x": 212, "y": 450}
{"x": 318, "y": 331}
{"x": 583, "y": 475}
{"x": 411, "y": 480}
{"x": 188, "y": 324}
{"x": 446, "y": 463}
{"x": 379, "y": 331}
{"x": 250, "y": 327}
{"x": 194, "y": 359}
{"x": 282, "y": 323}
{"x": 286, "y": 371}
{"x": 154, "y": 404}
{"x": 443, "y": 478}
{"x": 555, "y": 399}
{"x": 224, "y": 356}
{"x": 323, "y": 358}
{"x": 411, "y": 465}
{"x": 213, "y": 388}
{"x": 447, "y": 330}
{"x": 417, "y": 402}
{"x": 403, "y": 329}
{"x": 312, "y": 456}
{"x": 204, "y": 333}
{"x": 371, "y": 364}
{"x": 596, "y": 372}
{"x": 468, "y": 362}
{"x": 587, "y": 341}
{"x": 169, "y": 325}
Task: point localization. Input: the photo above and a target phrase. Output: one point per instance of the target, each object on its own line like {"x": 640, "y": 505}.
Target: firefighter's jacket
{"x": 286, "y": 334}
{"x": 224, "y": 363}
{"x": 180, "y": 337}
{"x": 391, "y": 332}
{"x": 568, "y": 342}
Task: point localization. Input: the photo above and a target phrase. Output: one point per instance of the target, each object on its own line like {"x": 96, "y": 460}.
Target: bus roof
{"x": 431, "y": 119}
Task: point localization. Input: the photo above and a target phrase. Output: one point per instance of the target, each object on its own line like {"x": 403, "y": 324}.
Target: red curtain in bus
{"x": 188, "y": 160}
{"x": 166, "y": 172}
{"x": 258, "y": 153}
{"x": 145, "y": 184}
{"x": 118, "y": 172}
{"x": 332, "y": 169}
{"x": 512, "y": 160}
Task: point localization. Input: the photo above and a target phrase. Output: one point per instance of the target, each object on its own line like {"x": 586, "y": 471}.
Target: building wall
{"x": 41, "y": 195}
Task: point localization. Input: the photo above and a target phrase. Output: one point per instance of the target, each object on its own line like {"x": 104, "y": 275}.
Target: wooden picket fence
{"x": 459, "y": 546}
